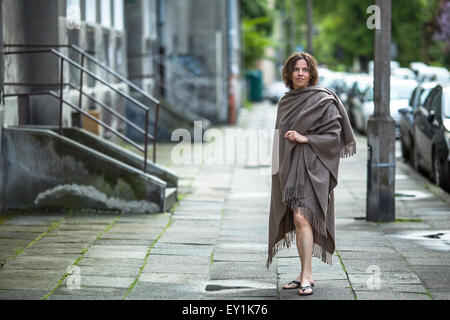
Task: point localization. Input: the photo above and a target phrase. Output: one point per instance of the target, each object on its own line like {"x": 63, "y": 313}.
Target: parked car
{"x": 400, "y": 93}
{"x": 355, "y": 94}
{"x": 433, "y": 74}
{"x": 404, "y": 73}
{"x": 275, "y": 91}
{"x": 417, "y": 99}
{"x": 432, "y": 136}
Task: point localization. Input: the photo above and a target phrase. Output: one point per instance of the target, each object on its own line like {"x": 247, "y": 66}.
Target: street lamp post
{"x": 380, "y": 204}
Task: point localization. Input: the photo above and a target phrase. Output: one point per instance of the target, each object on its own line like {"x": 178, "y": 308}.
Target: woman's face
{"x": 300, "y": 75}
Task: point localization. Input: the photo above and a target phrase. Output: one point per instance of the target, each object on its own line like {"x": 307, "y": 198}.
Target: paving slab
{"x": 112, "y": 262}
{"x": 175, "y": 278}
{"x": 104, "y": 281}
{"x": 182, "y": 249}
{"x": 89, "y": 292}
{"x": 24, "y": 294}
{"x": 386, "y": 295}
{"x": 109, "y": 271}
{"x": 166, "y": 291}
{"x": 27, "y": 284}
{"x": 178, "y": 259}
{"x": 177, "y": 268}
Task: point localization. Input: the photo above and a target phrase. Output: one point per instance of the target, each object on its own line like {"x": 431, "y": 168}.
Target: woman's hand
{"x": 294, "y": 136}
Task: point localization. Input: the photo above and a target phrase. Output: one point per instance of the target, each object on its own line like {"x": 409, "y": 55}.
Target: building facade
{"x": 184, "y": 52}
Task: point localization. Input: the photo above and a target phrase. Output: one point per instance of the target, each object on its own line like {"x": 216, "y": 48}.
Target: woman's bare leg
{"x": 304, "y": 240}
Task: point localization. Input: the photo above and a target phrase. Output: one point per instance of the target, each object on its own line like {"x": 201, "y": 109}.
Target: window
{"x": 73, "y": 14}
{"x": 423, "y": 96}
{"x": 118, "y": 14}
{"x": 415, "y": 94}
{"x": 105, "y": 19}
{"x": 91, "y": 11}
{"x": 436, "y": 103}
{"x": 428, "y": 100}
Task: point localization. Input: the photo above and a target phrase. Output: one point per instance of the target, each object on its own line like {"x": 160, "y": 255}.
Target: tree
{"x": 257, "y": 26}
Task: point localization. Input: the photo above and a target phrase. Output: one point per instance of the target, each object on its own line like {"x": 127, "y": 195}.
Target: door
{"x": 430, "y": 126}
{"x": 420, "y": 127}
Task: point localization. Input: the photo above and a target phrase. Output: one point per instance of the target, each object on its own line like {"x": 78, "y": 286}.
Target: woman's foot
{"x": 305, "y": 289}
{"x": 294, "y": 284}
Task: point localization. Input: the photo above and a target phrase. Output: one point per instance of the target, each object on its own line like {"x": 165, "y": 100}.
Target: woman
{"x": 312, "y": 133}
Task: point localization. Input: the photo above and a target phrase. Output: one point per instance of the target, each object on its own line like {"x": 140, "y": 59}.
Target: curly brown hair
{"x": 289, "y": 66}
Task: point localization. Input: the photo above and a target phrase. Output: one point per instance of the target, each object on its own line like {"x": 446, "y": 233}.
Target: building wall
{"x": 45, "y": 22}
{"x": 207, "y": 30}
{"x": 199, "y": 30}
{"x": 140, "y": 26}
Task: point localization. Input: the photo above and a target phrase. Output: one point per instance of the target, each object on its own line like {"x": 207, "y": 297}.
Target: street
{"x": 214, "y": 243}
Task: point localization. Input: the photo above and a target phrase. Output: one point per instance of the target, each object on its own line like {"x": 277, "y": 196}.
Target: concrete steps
{"x": 45, "y": 169}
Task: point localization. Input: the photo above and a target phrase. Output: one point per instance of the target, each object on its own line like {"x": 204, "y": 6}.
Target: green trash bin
{"x": 254, "y": 85}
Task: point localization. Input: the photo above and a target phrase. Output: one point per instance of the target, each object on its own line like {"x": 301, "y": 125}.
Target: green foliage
{"x": 255, "y": 41}
{"x": 342, "y": 34}
{"x": 257, "y": 27}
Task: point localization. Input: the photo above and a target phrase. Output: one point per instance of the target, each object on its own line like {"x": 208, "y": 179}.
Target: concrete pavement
{"x": 214, "y": 243}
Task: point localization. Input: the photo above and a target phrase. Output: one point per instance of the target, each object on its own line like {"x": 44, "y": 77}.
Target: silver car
{"x": 401, "y": 90}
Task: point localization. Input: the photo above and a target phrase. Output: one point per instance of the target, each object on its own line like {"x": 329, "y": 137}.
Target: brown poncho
{"x": 304, "y": 175}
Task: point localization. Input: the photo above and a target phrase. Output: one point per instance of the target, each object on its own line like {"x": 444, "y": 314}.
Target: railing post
{"x": 61, "y": 89}
{"x": 155, "y": 132}
{"x": 146, "y": 141}
{"x": 80, "y": 99}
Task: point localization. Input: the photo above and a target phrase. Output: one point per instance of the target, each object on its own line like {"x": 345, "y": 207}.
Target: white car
{"x": 403, "y": 73}
{"x": 275, "y": 91}
{"x": 401, "y": 90}
{"x": 433, "y": 74}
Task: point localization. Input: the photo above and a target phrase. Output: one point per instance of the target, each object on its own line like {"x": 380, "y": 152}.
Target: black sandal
{"x": 304, "y": 289}
{"x": 297, "y": 285}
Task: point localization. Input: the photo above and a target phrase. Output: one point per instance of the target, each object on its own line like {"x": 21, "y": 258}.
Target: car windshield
{"x": 401, "y": 91}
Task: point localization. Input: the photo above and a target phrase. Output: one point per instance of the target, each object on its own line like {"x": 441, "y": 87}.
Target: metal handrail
{"x": 91, "y": 58}
{"x": 111, "y": 110}
{"x": 79, "y": 109}
{"x": 55, "y": 95}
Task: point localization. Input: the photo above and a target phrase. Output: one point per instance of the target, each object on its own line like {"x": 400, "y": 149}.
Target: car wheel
{"x": 440, "y": 173}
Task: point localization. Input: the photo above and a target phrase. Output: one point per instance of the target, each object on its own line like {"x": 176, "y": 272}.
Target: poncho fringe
{"x": 289, "y": 238}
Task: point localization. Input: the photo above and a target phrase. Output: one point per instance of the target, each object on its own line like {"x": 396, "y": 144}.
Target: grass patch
{"x": 345, "y": 270}
{"x": 404, "y": 195}
{"x": 248, "y": 105}
{"x": 6, "y": 216}
{"x": 169, "y": 223}
{"x": 81, "y": 256}
{"x": 407, "y": 220}
{"x": 35, "y": 240}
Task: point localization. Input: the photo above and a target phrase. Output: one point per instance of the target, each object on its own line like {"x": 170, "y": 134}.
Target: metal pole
{"x": 146, "y": 141}
{"x": 61, "y": 89}
{"x": 80, "y": 100}
{"x": 155, "y": 133}
{"x": 381, "y": 128}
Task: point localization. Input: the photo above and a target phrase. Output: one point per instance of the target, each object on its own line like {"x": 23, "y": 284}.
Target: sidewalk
{"x": 214, "y": 244}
